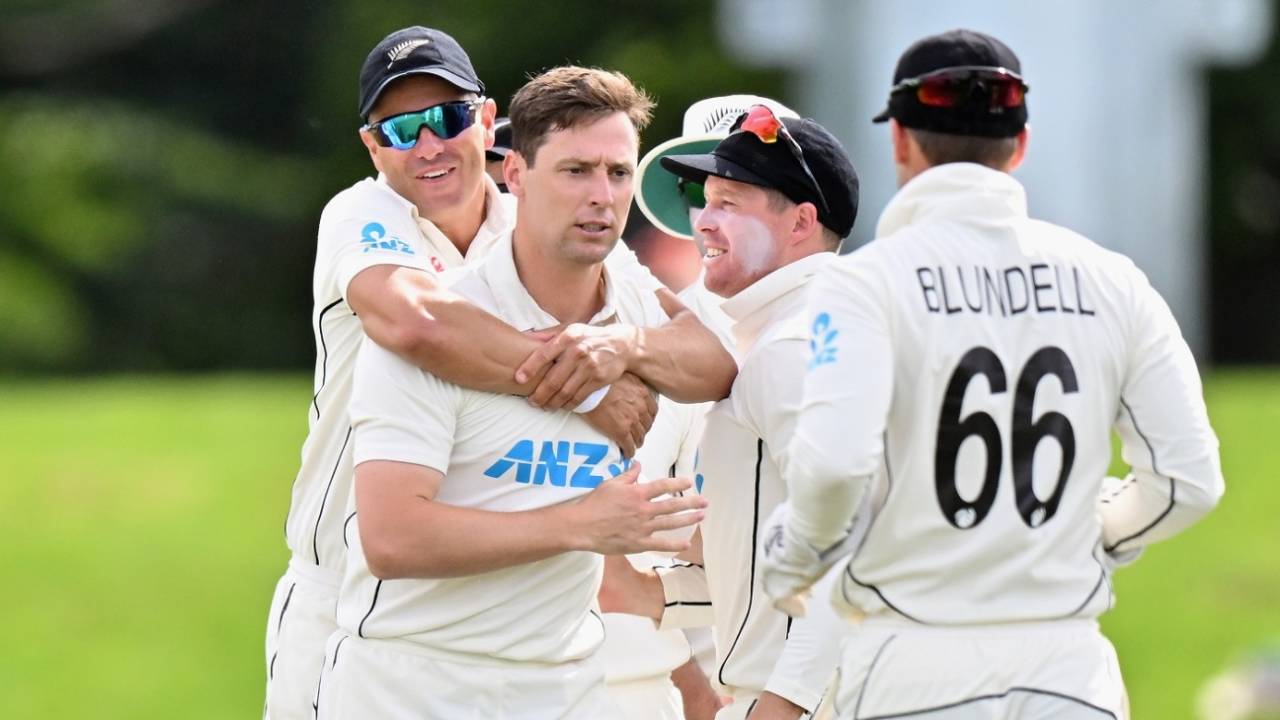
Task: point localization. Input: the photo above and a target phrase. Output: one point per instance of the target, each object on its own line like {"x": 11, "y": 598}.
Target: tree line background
{"x": 163, "y": 163}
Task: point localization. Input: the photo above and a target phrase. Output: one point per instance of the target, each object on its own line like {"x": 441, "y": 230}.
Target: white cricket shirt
{"x": 744, "y": 436}
{"x": 497, "y": 453}
{"x": 365, "y": 225}
{"x": 984, "y": 357}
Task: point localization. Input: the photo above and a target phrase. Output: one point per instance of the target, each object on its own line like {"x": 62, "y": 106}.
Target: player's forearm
{"x": 429, "y": 539}
{"x": 1165, "y": 435}
{"x": 467, "y": 346}
{"x": 695, "y": 690}
{"x": 1147, "y": 508}
{"x": 683, "y": 360}
{"x": 408, "y": 312}
{"x": 823, "y": 493}
{"x": 629, "y": 590}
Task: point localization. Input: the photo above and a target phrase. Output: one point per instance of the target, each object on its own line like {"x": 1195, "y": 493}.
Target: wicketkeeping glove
{"x": 1115, "y": 559}
{"x": 790, "y": 565}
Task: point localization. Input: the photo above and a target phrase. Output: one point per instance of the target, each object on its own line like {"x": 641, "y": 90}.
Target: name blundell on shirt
{"x": 1008, "y": 291}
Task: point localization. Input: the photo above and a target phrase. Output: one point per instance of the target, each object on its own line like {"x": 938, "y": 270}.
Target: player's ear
{"x": 372, "y": 146}
{"x": 805, "y": 223}
{"x": 901, "y": 143}
{"x": 514, "y": 170}
{"x": 488, "y": 115}
{"x": 1020, "y": 152}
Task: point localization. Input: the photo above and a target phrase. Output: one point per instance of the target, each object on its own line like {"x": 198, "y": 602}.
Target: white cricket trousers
{"x": 301, "y": 620}
{"x": 1055, "y": 670}
{"x": 398, "y": 680}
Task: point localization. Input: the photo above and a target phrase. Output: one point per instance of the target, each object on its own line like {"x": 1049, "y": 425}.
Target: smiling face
{"x": 440, "y": 177}
{"x": 576, "y": 192}
{"x": 744, "y": 234}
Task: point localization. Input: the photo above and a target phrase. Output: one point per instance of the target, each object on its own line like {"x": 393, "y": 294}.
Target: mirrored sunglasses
{"x": 446, "y": 121}
{"x": 692, "y": 193}
{"x": 1002, "y": 89}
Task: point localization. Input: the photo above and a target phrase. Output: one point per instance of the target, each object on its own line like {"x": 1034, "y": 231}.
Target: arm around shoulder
{"x": 407, "y": 311}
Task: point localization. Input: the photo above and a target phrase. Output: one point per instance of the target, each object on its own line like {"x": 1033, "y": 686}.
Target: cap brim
{"x": 659, "y": 197}
{"x": 698, "y": 167}
{"x": 451, "y": 77}
{"x": 883, "y": 116}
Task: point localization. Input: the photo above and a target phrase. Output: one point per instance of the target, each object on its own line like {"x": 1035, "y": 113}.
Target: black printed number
{"x": 1027, "y": 434}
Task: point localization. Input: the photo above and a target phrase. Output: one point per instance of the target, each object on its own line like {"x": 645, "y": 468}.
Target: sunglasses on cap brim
{"x": 446, "y": 121}
{"x": 760, "y": 120}
{"x": 954, "y": 87}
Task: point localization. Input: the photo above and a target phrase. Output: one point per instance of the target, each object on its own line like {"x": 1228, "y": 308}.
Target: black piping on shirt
{"x": 755, "y": 525}
{"x": 324, "y": 355}
{"x": 324, "y": 501}
{"x": 1154, "y": 468}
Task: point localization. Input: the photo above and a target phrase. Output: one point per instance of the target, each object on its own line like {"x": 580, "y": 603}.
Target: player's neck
{"x": 461, "y": 223}
{"x": 569, "y": 291}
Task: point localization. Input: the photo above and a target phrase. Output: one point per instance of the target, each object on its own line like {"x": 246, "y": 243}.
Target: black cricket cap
{"x": 954, "y": 48}
{"x": 414, "y": 51}
{"x": 501, "y": 140}
{"x": 743, "y": 157}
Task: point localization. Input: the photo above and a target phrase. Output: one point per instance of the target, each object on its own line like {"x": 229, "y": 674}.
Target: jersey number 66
{"x": 952, "y": 431}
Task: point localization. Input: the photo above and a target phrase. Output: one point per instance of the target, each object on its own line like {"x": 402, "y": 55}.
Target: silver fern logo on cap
{"x": 721, "y": 119}
{"x": 402, "y": 51}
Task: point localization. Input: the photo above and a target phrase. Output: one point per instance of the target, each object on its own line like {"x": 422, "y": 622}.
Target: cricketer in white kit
{"x": 772, "y": 218}
{"x": 303, "y": 606}
{"x": 496, "y": 453}
{"x": 672, "y": 205}
{"x": 984, "y": 358}
{"x": 471, "y": 583}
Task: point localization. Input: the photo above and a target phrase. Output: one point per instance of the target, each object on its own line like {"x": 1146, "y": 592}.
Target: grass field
{"x": 142, "y": 538}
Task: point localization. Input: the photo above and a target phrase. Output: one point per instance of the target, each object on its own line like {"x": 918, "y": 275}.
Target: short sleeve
{"x": 362, "y": 228}
{"x": 400, "y": 412}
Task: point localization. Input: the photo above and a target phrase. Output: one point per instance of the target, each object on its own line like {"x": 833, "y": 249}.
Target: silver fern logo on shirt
{"x": 822, "y": 347}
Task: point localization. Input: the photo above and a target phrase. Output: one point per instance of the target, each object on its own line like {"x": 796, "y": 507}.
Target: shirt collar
{"x": 499, "y": 217}
{"x": 954, "y": 190}
{"x": 756, "y": 306}
{"x": 516, "y": 305}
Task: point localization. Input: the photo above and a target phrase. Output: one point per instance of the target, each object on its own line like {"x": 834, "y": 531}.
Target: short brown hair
{"x": 569, "y": 96}
{"x": 942, "y": 148}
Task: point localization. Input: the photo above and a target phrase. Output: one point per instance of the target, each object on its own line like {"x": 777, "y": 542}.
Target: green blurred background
{"x": 162, "y": 169}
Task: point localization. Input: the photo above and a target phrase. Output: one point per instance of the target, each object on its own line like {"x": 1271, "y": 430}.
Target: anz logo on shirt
{"x": 822, "y": 342}
{"x": 373, "y": 236}
{"x": 558, "y": 462}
